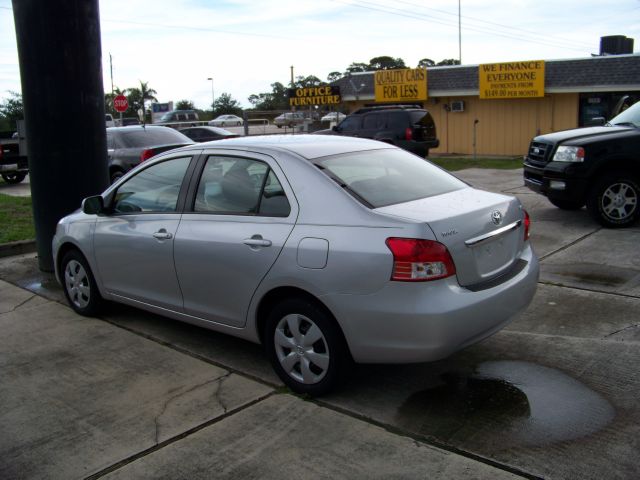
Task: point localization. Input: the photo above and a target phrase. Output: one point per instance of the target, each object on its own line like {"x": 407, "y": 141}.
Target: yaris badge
{"x": 496, "y": 217}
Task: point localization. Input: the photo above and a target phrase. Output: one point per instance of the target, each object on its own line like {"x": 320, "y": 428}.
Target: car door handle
{"x": 257, "y": 241}
{"x": 162, "y": 234}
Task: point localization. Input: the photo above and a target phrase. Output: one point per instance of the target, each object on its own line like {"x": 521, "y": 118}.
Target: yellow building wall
{"x": 505, "y": 127}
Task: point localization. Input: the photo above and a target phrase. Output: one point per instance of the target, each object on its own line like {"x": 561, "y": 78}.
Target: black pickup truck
{"x": 596, "y": 166}
{"x": 14, "y": 166}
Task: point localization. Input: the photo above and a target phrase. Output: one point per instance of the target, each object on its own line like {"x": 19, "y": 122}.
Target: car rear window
{"x": 387, "y": 177}
{"x": 423, "y": 118}
{"x": 156, "y": 136}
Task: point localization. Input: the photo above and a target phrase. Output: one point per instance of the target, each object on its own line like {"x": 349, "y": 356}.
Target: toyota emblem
{"x": 496, "y": 217}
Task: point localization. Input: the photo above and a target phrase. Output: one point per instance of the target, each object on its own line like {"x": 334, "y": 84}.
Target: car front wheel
{"x": 79, "y": 285}
{"x": 305, "y": 347}
{"x": 613, "y": 201}
{"x": 13, "y": 178}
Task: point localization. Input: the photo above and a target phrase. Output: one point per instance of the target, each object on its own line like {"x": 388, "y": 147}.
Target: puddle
{"x": 503, "y": 404}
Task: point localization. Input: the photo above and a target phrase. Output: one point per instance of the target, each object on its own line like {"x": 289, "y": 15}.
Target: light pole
{"x": 213, "y": 98}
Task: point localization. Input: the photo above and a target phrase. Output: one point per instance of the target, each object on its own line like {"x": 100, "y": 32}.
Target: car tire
{"x": 279, "y": 126}
{"x": 238, "y": 124}
{"x": 116, "y": 174}
{"x": 79, "y": 284}
{"x": 13, "y": 178}
{"x": 566, "y": 204}
{"x": 312, "y": 366}
{"x": 613, "y": 200}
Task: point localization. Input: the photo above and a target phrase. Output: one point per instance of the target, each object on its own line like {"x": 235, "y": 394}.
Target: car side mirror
{"x": 335, "y": 128}
{"x": 93, "y": 205}
{"x": 598, "y": 120}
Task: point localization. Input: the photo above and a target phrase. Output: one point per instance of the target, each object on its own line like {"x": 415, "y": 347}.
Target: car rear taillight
{"x": 527, "y": 225}
{"x": 147, "y": 154}
{"x": 408, "y": 133}
{"x": 417, "y": 260}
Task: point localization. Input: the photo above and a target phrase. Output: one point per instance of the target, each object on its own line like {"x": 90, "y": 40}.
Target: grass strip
{"x": 16, "y": 219}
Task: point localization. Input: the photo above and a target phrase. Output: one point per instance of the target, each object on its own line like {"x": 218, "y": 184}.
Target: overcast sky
{"x": 246, "y": 45}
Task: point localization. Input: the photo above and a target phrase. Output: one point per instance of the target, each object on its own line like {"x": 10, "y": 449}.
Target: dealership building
{"x": 469, "y": 119}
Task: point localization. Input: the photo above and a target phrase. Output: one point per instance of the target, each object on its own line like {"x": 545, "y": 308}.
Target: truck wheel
{"x": 566, "y": 204}
{"x": 14, "y": 177}
{"x": 613, "y": 200}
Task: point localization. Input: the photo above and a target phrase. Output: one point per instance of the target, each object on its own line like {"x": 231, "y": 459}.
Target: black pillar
{"x": 61, "y": 73}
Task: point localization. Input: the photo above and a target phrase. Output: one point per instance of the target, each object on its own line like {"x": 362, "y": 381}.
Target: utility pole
{"x": 459, "y": 33}
{"x": 60, "y": 70}
{"x": 213, "y": 98}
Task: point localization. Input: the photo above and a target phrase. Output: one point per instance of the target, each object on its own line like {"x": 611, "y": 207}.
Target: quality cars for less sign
{"x": 407, "y": 85}
{"x": 512, "y": 80}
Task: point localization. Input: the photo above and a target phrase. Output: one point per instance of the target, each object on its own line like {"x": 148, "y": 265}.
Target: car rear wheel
{"x": 116, "y": 174}
{"x": 613, "y": 201}
{"x": 305, "y": 347}
{"x": 79, "y": 285}
{"x": 566, "y": 204}
{"x": 13, "y": 178}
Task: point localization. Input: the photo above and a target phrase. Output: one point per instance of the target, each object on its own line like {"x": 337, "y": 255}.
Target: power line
{"x": 427, "y": 18}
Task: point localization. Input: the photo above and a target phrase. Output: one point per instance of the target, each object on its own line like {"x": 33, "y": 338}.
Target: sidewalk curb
{"x": 17, "y": 248}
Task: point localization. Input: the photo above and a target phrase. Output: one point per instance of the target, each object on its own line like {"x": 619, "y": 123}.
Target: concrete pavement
{"x": 553, "y": 395}
{"x": 82, "y": 397}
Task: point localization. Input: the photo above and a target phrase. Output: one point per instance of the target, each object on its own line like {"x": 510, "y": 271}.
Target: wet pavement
{"x": 553, "y": 395}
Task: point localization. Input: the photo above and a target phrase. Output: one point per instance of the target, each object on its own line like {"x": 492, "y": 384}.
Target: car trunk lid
{"x": 483, "y": 231}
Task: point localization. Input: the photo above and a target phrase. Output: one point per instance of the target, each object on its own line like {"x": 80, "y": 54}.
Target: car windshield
{"x": 389, "y": 176}
{"x": 152, "y": 136}
{"x": 630, "y": 117}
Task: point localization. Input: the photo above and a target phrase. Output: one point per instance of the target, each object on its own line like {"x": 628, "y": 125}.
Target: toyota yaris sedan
{"x": 327, "y": 250}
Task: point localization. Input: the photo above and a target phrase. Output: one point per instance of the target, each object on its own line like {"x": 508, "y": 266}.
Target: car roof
{"x": 128, "y": 128}
{"x": 307, "y": 146}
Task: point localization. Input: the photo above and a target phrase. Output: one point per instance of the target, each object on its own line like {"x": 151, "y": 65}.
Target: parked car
{"x": 206, "y": 134}
{"x": 289, "y": 119}
{"x": 126, "y": 121}
{"x": 108, "y": 120}
{"x": 179, "y": 116}
{"x": 129, "y": 146}
{"x": 596, "y": 166}
{"x": 333, "y": 117}
{"x": 226, "y": 120}
{"x": 324, "y": 249}
{"x": 407, "y": 126}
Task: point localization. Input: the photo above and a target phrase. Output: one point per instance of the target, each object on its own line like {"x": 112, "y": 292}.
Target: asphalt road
{"x": 553, "y": 395}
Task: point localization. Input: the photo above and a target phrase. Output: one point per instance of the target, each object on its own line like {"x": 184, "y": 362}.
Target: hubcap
{"x": 77, "y": 284}
{"x": 619, "y": 201}
{"x": 301, "y": 349}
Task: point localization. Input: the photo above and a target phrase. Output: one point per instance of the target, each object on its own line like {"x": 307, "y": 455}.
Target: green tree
{"x": 448, "y": 61}
{"x": 333, "y": 76}
{"x": 138, "y": 97}
{"x": 357, "y": 67}
{"x": 385, "y": 63}
{"x": 184, "y": 105}
{"x": 426, "y": 62}
{"x": 277, "y": 99}
{"x": 225, "y": 104}
{"x": 12, "y": 110}
{"x": 308, "y": 81}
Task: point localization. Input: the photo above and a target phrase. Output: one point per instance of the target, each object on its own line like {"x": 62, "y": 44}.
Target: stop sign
{"x": 120, "y": 103}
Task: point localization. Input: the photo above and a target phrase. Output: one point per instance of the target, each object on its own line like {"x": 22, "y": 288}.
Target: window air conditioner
{"x": 457, "y": 106}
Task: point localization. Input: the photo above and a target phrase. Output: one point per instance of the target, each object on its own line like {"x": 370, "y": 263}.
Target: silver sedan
{"x": 327, "y": 250}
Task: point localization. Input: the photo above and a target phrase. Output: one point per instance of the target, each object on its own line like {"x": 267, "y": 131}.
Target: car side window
{"x": 374, "y": 121}
{"x": 154, "y": 189}
{"x": 239, "y": 186}
{"x": 350, "y": 124}
{"x": 397, "y": 121}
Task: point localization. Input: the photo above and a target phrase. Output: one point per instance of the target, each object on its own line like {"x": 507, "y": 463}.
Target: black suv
{"x": 410, "y": 127}
{"x": 596, "y": 166}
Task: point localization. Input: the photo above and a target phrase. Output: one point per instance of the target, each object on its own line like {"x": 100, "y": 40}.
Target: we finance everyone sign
{"x": 512, "y": 79}
{"x": 406, "y": 85}
{"x": 327, "y": 95}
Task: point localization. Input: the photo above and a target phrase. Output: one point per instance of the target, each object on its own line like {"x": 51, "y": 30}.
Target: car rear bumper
{"x": 419, "y": 322}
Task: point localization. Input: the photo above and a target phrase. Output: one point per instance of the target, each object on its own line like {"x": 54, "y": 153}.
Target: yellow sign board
{"x": 512, "y": 80}
{"x": 407, "y": 85}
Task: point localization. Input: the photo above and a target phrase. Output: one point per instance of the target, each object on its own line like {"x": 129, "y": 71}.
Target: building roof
{"x": 593, "y": 74}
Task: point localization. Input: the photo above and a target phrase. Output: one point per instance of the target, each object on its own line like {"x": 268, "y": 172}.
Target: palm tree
{"x": 139, "y": 96}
